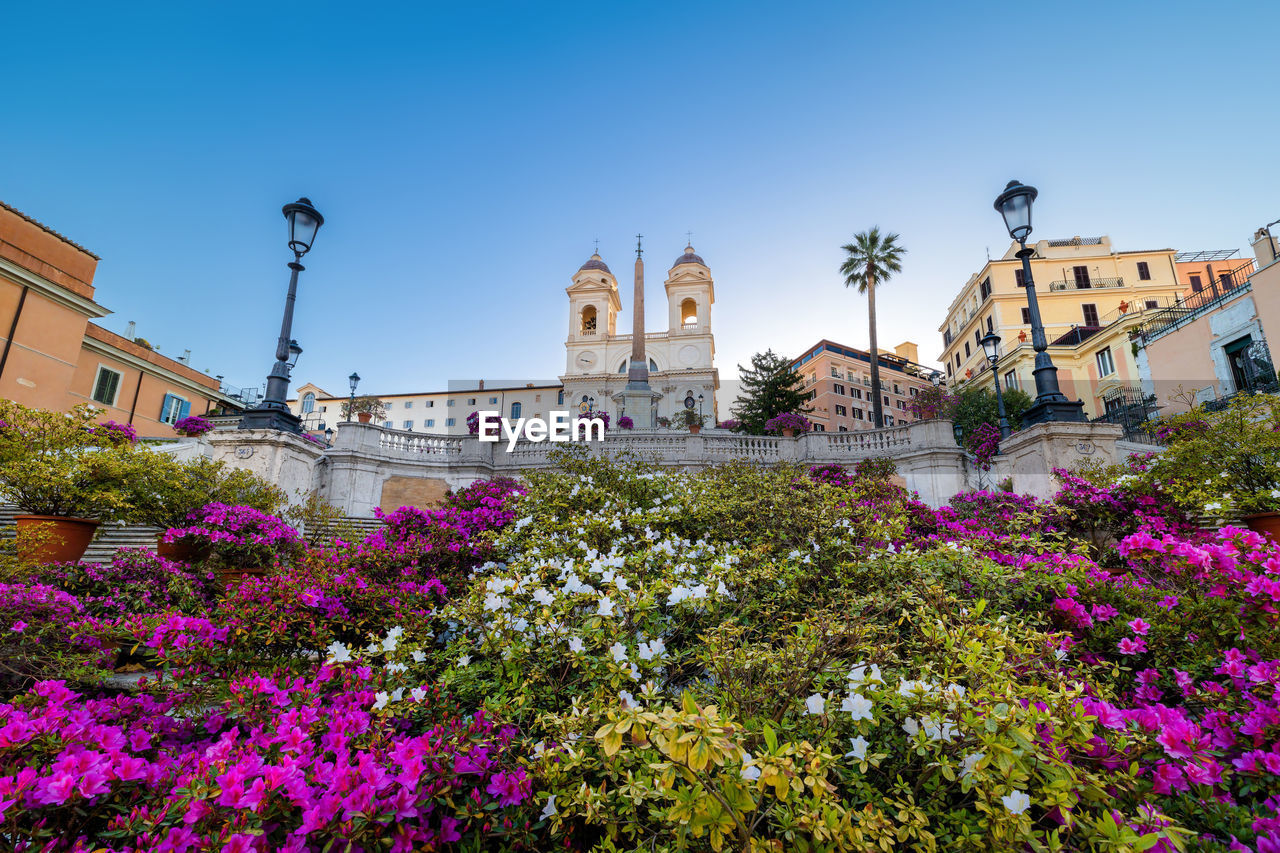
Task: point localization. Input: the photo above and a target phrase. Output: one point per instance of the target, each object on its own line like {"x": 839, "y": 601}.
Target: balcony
{"x": 1091, "y": 284}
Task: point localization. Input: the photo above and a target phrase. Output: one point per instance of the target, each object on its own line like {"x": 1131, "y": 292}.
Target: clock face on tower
{"x": 587, "y": 360}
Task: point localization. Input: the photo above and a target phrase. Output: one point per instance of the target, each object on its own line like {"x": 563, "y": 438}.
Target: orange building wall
{"x": 45, "y": 349}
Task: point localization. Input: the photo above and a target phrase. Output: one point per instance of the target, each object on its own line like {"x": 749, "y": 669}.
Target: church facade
{"x": 680, "y": 358}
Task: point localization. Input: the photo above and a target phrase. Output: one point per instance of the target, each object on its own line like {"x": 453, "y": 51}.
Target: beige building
{"x": 432, "y": 412}
{"x": 681, "y": 357}
{"x": 1091, "y": 298}
{"x": 1215, "y": 343}
{"x": 838, "y": 381}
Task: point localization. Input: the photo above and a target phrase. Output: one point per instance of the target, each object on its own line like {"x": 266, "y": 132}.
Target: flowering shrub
{"x": 595, "y": 416}
{"x": 239, "y": 536}
{"x": 115, "y": 433}
{"x": 193, "y": 426}
{"x": 135, "y": 581}
{"x": 984, "y": 444}
{"x": 625, "y": 422}
{"x": 787, "y": 420}
{"x": 730, "y": 424}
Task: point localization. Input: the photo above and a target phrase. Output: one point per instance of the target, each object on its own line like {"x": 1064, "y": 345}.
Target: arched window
{"x": 308, "y": 403}
{"x": 689, "y": 313}
{"x": 622, "y": 368}
{"x": 589, "y": 320}
{"x": 515, "y": 411}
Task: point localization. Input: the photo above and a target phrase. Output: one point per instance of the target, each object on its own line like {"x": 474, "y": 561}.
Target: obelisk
{"x": 637, "y": 397}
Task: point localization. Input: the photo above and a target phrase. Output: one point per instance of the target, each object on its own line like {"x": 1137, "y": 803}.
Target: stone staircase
{"x": 114, "y": 536}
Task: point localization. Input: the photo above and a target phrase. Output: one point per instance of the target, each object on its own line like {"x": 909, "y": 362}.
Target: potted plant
{"x": 625, "y": 422}
{"x": 66, "y": 472}
{"x": 166, "y": 493}
{"x": 692, "y": 420}
{"x": 241, "y": 541}
{"x": 595, "y": 416}
{"x": 787, "y": 424}
{"x": 193, "y": 426}
{"x": 365, "y": 409}
{"x": 1224, "y": 464}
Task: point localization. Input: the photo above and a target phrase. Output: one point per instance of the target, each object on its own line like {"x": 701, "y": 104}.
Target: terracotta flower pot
{"x": 182, "y": 550}
{"x": 788, "y": 432}
{"x": 695, "y": 428}
{"x": 231, "y": 578}
{"x": 62, "y": 539}
{"x": 364, "y": 417}
{"x": 1265, "y": 522}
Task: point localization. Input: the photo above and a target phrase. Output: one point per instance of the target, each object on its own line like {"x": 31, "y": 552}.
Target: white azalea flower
{"x": 970, "y": 762}
{"x": 604, "y": 606}
{"x": 543, "y": 596}
{"x": 396, "y": 667}
{"x": 575, "y": 644}
{"x": 619, "y": 652}
{"x": 465, "y": 660}
{"x": 419, "y": 656}
{"x": 749, "y": 770}
{"x": 911, "y": 727}
{"x": 859, "y": 750}
{"x": 338, "y": 652}
{"x": 815, "y": 703}
{"x": 938, "y": 728}
{"x": 418, "y": 694}
{"x": 550, "y": 808}
{"x": 1016, "y": 802}
{"x": 397, "y": 694}
{"x": 380, "y": 700}
{"x": 628, "y": 701}
{"x": 857, "y": 705}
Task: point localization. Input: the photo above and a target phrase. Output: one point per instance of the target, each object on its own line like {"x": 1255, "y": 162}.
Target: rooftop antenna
{"x": 639, "y": 251}
{"x": 988, "y": 253}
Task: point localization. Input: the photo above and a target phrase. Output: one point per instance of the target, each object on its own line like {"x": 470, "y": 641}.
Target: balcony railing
{"x": 1090, "y": 284}
{"x": 1228, "y": 285}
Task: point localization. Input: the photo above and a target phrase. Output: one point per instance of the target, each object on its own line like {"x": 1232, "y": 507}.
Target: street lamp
{"x": 991, "y": 347}
{"x": 1014, "y": 204}
{"x": 272, "y": 413}
{"x": 354, "y": 379}
{"x": 328, "y": 436}
{"x": 699, "y": 407}
{"x": 936, "y": 378}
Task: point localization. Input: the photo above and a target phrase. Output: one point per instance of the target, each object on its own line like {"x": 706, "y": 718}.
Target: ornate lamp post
{"x": 354, "y": 379}
{"x": 1051, "y": 404}
{"x": 991, "y": 347}
{"x": 272, "y": 413}
{"x": 699, "y": 407}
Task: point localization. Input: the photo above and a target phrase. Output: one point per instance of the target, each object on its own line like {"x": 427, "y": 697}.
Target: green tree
{"x": 976, "y": 405}
{"x": 872, "y": 258}
{"x": 770, "y": 387}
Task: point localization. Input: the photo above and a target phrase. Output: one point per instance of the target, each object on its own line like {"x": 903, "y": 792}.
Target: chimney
{"x": 908, "y": 350}
{"x": 186, "y": 356}
{"x": 131, "y": 330}
{"x": 1265, "y": 247}
{"x": 481, "y": 388}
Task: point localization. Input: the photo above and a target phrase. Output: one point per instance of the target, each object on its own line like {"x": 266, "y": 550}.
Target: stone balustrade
{"x": 370, "y": 466}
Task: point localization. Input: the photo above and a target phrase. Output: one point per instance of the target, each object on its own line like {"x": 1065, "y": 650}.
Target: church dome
{"x": 690, "y": 258}
{"x": 595, "y": 262}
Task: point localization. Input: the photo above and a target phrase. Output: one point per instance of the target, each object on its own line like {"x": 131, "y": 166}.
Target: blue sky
{"x": 467, "y": 155}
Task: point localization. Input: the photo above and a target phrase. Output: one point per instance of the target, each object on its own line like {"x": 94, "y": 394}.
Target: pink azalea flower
{"x": 1139, "y": 627}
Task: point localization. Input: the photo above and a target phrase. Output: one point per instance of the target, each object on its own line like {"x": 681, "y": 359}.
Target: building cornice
{"x": 55, "y": 292}
{"x": 104, "y": 348}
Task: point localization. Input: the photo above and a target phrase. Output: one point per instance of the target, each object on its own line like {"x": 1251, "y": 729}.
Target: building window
{"x": 837, "y": 388}
{"x": 1144, "y": 272}
{"x": 843, "y": 429}
{"x": 308, "y": 403}
{"x": 388, "y": 424}
{"x": 471, "y": 401}
{"x": 857, "y": 392}
{"x": 888, "y": 420}
{"x": 1196, "y": 286}
{"x": 1026, "y": 316}
{"x": 1106, "y": 365}
{"x": 835, "y": 371}
{"x": 408, "y": 425}
{"x": 1151, "y": 304}
{"x": 431, "y": 404}
{"x": 991, "y": 324}
{"x": 966, "y": 353}
{"x": 977, "y": 337}
{"x": 1082, "y": 277}
{"x": 886, "y": 399}
{"x": 106, "y": 386}
{"x": 537, "y": 398}
{"x": 857, "y": 414}
{"x": 451, "y": 402}
{"x": 1224, "y": 278}
{"x": 450, "y": 421}
{"x": 985, "y": 287}
{"x": 173, "y": 409}
{"x": 842, "y": 411}
{"x": 430, "y": 423}
{"x": 1018, "y": 278}
{"x": 515, "y": 410}
{"x": 493, "y": 401}
{"x": 409, "y": 404}
{"x": 1011, "y": 380}
{"x": 1090, "y": 314}
{"x": 560, "y": 398}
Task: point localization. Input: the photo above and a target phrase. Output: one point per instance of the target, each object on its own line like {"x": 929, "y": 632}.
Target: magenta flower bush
{"x": 730, "y": 424}
{"x": 786, "y": 420}
{"x": 625, "y": 422}
{"x": 112, "y": 432}
{"x": 239, "y": 535}
{"x": 193, "y": 426}
{"x": 594, "y": 416}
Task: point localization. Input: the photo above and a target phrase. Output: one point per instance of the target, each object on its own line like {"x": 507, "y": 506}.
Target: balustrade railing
{"x": 1085, "y": 284}
{"x": 427, "y": 445}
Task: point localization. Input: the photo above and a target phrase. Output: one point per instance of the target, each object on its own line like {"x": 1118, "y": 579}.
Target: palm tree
{"x": 872, "y": 259}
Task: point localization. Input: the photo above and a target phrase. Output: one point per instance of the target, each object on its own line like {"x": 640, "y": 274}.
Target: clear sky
{"x": 466, "y": 156}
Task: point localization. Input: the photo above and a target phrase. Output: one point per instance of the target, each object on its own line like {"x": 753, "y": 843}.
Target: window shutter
{"x": 164, "y": 406}
{"x": 184, "y": 411}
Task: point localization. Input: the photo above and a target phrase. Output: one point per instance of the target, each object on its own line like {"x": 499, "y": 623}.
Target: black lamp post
{"x": 699, "y": 407}
{"x": 1051, "y": 404}
{"x": 991, "y": 347}
{"x": 354, "y": 379}
{"x": 272, "y": 413}
{"x": 328, "y": 436}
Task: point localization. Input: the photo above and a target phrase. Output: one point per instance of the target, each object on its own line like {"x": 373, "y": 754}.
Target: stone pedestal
{"x": 1033, "y": 452}
{"x": 637, "y": 404}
